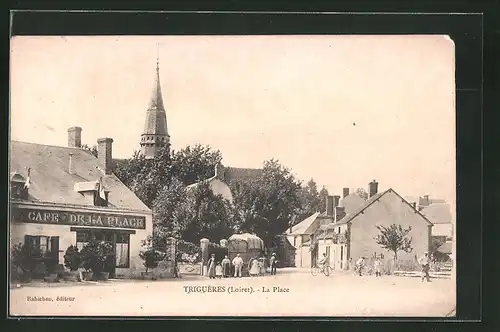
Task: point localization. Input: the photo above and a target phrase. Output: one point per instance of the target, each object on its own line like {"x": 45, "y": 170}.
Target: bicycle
{"x": 325, "y": 269}
{"x": 365, "y": 270}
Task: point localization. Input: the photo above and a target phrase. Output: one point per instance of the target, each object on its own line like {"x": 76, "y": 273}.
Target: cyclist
{"x": 323, "y": 263}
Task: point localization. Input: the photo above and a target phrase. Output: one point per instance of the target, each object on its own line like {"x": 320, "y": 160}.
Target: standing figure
{"x": 360, "y": 264}
{"x": 218, "y": 270}
{"x": 226, "y": 266}
{"x": 424, "y": 262}
{"x": 211, "y": 267}
{"x": 254, "y": 267}
{"x": 377, "y": 266}
{"x": 273, "y": 262}
{"x": 262, "y": 266}
{"x": 238, "y": 265}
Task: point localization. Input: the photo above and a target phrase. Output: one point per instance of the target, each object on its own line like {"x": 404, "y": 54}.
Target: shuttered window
{"x": 48, "y": 245}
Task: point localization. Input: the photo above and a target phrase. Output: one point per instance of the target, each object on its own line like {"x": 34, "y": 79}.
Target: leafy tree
{"x": 268, "y": 204}
{"x": 311, "y": 201}
{"x": 206, "y": 215}
{"x": 191, "y": 214}
{"x": 128, "y": 169}
{"x": 153, "y": 176}
{"x": 168, "y": 208}
{"x": 147, "y": 177}
{"x": 194, "y": 164}
{"x": 323, "y": 194}
{"x": 394, "y": 238}
{"x": 362, "y": 193}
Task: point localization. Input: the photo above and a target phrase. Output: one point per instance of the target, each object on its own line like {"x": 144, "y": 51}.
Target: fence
{"x": 389, "y": 265}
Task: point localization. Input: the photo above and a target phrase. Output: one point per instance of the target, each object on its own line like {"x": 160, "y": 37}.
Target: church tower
{"x": 155, "y": 134}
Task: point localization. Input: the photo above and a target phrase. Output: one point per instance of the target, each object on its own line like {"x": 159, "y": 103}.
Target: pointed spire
{"x": 156, "y": 96}
{"x": 155, "y": 132}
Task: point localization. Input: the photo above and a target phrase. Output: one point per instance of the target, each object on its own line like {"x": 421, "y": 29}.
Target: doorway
{"x": 119, "y": 241}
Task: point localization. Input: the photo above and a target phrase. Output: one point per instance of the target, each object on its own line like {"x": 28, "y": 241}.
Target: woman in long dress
{"x": 211, "y": 267}
{"x": 226, "y": 267}
{"x": 254, "y": 267}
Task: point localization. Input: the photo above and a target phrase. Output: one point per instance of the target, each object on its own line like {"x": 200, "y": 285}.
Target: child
{"x": 218, "y": 271}
{"x": 377, "y": 265}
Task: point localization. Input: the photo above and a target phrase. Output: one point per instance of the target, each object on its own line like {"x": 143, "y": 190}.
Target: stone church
{"x": 155, "y": 136}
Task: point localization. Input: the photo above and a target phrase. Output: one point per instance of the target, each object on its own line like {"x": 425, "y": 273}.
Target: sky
{"x": 344, "y": 110}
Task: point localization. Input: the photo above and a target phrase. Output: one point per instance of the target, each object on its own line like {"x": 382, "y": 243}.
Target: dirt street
{"x": 290, "y": 293}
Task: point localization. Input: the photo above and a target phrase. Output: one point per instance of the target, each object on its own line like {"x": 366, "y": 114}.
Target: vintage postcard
{"x": 232, "y": 176}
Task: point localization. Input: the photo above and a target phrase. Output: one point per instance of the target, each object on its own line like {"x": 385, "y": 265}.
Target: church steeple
{"x": 155, "y": 134}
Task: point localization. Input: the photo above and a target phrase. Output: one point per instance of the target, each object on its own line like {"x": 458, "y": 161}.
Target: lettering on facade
{"x": 77, "y": 218}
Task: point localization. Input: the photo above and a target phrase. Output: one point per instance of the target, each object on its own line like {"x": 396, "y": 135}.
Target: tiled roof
{"x": 369, "y": 202}
{"x": 439, "y": 213}
{"x": 51, "y": 181}
{"x": 233, "y": 173}
{"x": 348, "y": 217}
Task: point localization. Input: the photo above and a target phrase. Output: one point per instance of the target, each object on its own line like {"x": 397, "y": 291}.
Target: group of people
{"x": 377, "y": 266}
{"x": 424, "y": 262}
{"x": 256, "y": 266}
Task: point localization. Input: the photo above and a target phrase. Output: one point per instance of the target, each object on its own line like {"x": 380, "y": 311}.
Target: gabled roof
{"x": 302, "y": 226}
{"x": 348, "y": 218}
{"x": 51, "y": 182}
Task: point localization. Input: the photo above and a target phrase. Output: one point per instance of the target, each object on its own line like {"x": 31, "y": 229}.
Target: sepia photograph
{"x": 251, "y": 175}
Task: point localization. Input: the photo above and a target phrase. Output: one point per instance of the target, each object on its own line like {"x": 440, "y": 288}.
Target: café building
{"x": 62, "y": 196}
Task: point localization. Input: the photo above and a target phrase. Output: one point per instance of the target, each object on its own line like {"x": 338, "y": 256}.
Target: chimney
{"x": 219, "y": 171}
{"x": 75, "y": 137}
{"x": 372, "y": 188}
{"x": 329, "y": 205}
{"x": 336, "y": 200}
{"x": 70, "y": 166}
{"x": 345, "y": 192}
{"x": 339, "y": 213}
{"x": 105, "y": 155}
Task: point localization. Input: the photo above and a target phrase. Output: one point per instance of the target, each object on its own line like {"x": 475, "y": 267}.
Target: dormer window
{"x": 100, "y": 201}
{"x": 94, "y": 192}
{"x": 19, "y": 186}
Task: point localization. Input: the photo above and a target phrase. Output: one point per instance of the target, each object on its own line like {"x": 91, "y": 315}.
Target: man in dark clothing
{"x": 273, "y": 262}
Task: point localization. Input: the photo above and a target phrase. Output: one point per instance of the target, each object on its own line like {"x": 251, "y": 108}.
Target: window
{"x": 328, "y": 251}
{"x": 338, "y": 230}
{"x": 48, "y": 245}
{"x": 82, "y": 238}
{"x": 122, "y": 250}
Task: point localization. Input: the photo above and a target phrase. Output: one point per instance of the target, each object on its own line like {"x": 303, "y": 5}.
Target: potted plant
{"x": 25, "y": 258}
{"x": 151, "y": 258}
{"x": 94, "y": 256}
{"x": 73, "y": 261}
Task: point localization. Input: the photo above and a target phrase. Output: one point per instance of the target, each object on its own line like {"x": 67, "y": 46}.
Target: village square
{"x": 96, "y": 235}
